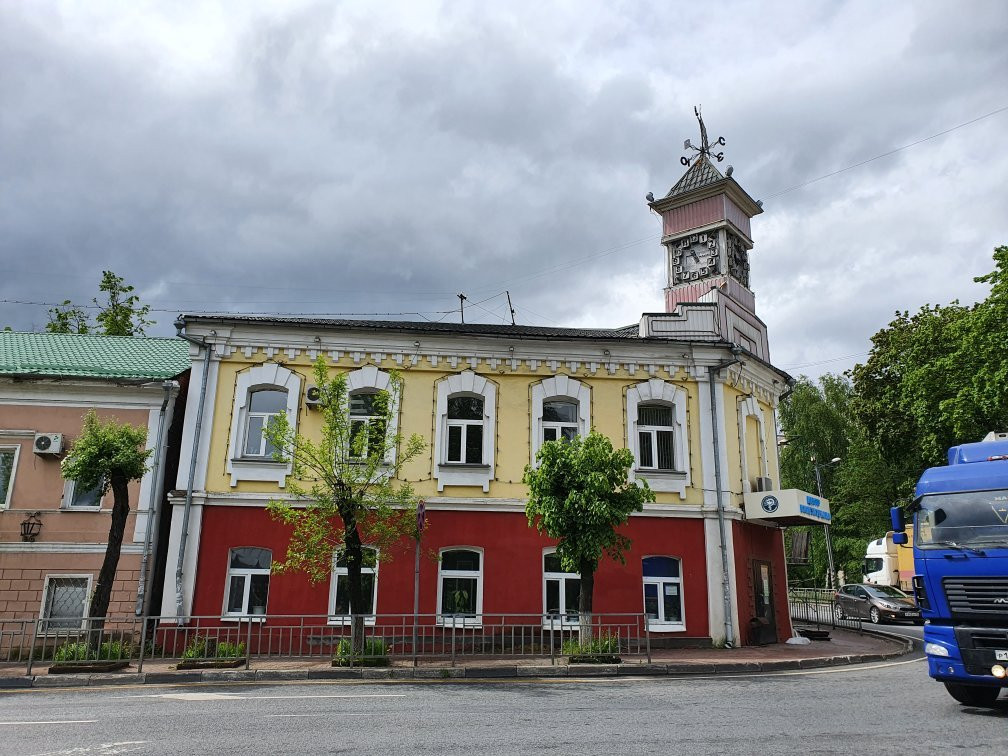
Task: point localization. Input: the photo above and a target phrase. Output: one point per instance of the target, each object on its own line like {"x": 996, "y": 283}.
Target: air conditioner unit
{"x": 48, "y": 443}
{"x": 313, "y": 397}
{"x": 764, "y": 484}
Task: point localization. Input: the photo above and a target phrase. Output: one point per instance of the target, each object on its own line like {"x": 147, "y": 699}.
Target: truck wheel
{"x": 973, "y": 695}
{"x": 839, "y": 611}
{"x": 874, "y": 615}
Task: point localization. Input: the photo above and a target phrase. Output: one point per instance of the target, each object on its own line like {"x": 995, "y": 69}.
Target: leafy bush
{"x": 604, "y": 649}
{"x": 374, "y": 654}
{"x": 202, "y": 647}
{"x": 72, "y": 651}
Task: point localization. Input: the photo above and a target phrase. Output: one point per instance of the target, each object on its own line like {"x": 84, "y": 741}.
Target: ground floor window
{"x": 247, "y": 581}
{"x": 64, "y": 601}
{"x": 663, "y": 601}
{"x": 460, "y": 586}
{"x": 339, "y": 588}
{"x": 561, "y": 592}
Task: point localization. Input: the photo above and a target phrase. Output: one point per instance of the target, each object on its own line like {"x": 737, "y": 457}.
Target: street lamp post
{"x": 826, "y": 528}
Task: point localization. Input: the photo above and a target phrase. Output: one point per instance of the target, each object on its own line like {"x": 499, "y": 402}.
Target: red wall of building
{"x": 512, "y": 569}
{"x": 759, "y": 543}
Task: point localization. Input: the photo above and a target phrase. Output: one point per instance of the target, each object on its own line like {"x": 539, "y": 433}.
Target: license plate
{"x": 1001, "y": 655}
{"x": 912, "y": 614}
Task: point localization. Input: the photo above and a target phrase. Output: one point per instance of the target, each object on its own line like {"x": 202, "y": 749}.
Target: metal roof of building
{"x": 700, "y": 174}
{"x": 92, "y": 356}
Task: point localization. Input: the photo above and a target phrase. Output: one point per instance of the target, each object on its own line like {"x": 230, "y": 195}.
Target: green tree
{"x": 120, "y": 314}
{"x": 579, "y": 494}
{"x": 107, "y": 455}
{"x": 68, "y": 318}
{"x": 353, "y": 496}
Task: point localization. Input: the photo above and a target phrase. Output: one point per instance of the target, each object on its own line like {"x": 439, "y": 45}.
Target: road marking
{"x": 103, "y": 749}
{"x": 328, "y": 714}
{"x": 53, "y": 722}
{"x": 241, "y": 697}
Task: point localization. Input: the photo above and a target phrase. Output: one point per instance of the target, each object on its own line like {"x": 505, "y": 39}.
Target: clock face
{"x": 738, "y": 260}
{"x": 694, "y": 257}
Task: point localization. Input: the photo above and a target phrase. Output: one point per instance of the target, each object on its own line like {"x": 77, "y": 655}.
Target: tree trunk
{"x": 355, "y": 558}
{"x": 106, "y": 576}
{"x": 585, "y": 602}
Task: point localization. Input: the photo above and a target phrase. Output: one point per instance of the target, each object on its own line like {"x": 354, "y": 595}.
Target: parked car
{"x": 878, "y": 603}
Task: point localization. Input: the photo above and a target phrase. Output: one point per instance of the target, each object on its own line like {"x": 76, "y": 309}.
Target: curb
{"x": 674, "y": 670}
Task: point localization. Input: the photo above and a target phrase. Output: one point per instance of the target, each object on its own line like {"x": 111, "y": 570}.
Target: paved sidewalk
{"x": 844, "y": 647}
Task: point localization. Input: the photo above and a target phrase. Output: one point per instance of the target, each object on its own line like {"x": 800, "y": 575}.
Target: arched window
{"x": 339, "y": 588}
{"x": 561, "y": 592}
{"x": 561, "y": 411}
{"x": 262, "y": 393}
{"x": 247, "y": 581}
{"x": 464, "y": 431}
{"x": 368, "y": 410}
{"x": 460, "y": 586}
{"x": 663, "y": 597}
{"x": 656, "y": 433}
{"x": 264, "y": 405}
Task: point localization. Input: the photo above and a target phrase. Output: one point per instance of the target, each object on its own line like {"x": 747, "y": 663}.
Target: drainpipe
{"x": 200, "y": 342}
{"x": 157, "y": 491}
{"x": 713, "y": 371}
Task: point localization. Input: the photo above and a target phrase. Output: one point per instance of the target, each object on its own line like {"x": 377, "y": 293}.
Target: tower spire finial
{"x": 705, "y": 148}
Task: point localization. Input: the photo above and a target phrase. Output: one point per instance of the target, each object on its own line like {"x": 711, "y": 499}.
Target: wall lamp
{"x": 31, "y": 526}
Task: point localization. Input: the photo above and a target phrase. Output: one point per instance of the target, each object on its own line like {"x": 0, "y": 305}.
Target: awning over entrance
{"x": 789, "y": 506}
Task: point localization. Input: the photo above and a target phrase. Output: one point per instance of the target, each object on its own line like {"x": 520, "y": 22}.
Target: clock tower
{"x": 707, "y": 238}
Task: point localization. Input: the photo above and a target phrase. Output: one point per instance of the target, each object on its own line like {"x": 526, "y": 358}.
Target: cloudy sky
{"x": 381, "y": 157}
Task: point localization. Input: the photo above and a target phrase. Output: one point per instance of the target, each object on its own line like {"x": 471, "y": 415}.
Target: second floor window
{"x": 8, "y": 462}
{"x": 559, "y": 420}
{"x": 264, "y": 405}
{"x": 465, "y": 430}
{"x": 367, "y": 424}
{"x": 655, "y": 437}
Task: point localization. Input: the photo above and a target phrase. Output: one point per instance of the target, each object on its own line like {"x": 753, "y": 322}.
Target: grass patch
{"x": 74, "y": 651}
{"x": 202, "y": 647}
{"x": 374, "y": 654}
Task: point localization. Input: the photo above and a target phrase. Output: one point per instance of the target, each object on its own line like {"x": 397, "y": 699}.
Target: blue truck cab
{"x": 960, "y": 518}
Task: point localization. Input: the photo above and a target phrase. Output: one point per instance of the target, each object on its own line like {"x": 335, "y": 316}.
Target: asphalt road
{"x": 891, "y": 707}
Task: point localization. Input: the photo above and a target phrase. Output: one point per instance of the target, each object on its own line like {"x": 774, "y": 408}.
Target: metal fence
{"x": 817, "y": 606}
{"x": 387, "y": 638}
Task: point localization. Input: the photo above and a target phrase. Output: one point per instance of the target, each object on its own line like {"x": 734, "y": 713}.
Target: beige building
{"x": 53, "y": 535}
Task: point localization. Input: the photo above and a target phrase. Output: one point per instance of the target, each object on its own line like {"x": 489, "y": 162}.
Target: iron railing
{"x": 817, "y": 606}
{"x": 241, "y": 641}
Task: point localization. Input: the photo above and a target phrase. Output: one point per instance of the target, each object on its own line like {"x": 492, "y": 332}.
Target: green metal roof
{"x": 66, "y": 355}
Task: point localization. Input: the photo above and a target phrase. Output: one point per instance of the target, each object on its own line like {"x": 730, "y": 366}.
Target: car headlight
{"x": 935, "y": 649}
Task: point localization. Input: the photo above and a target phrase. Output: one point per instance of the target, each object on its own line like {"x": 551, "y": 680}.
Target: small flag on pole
{"x": 421, "y": 513}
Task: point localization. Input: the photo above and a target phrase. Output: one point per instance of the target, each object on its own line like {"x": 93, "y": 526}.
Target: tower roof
{"x": 702, "y": 173}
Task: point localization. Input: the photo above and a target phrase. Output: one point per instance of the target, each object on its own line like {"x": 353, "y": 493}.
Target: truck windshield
{"x": 970, "y": 518}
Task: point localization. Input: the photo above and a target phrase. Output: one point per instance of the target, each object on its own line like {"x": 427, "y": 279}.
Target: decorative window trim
{"x": 46, "y": 578}
{"x": 664, "y": 626}
{"x": 267, "y": 375}
{"x": 460, "y": 474}
{"x": 66, "y": 504}
{"x": 8, "y": 494}
{"x": 664, "y": 392}
{"x": 336, "y": 572}
{"x": 370, "y": 378}
{"x": 564, "y": 622}
{"x": 454, "y": 620}
{"x": 749, "y": 407}
{"x": 247, "y": 616}
{"x": 558, "y": 387}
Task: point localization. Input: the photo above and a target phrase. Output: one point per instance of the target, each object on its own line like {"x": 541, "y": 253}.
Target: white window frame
{"x": 269, "y": 375}
{"x": 69, "y": 489}
{"x": 43, "y": 619}
{"x": 337, "y": 572}
{"x": 247, "y": 573}
{"x": 6, "y": 496}
{"x": 561, "y": 388}
{"x": 662, "y": 625}
{"x": 652, "y": 431}
{"x": 658, "y": 391}
{"x": 749, "y": 407}
{"x": 267, "y": 418}
{"x": 465, "y": 426}
{"x": 561, "y": 620}
{"x": 466, "y": 383}
{"x": 370, "y": 379}
{"x": 450, "y": 620}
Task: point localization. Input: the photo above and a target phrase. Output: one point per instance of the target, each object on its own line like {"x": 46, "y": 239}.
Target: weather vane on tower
{"x": 705, "y": 149}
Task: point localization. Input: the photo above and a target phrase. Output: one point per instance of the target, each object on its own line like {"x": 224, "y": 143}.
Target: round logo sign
{"x": 769, "y": 504}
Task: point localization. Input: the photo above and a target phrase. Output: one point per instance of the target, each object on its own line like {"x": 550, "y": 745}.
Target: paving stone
{"x": 550, "y": 670}
{"x": 375, "y": 673}
{"x": 736, "y": 667}
{"x": 402, "y": 673}
{"x": 438, "y": 673}
{"x": 593, "y": 670}
{"x": 816, "y": 663}
{"x": 281, "y": 674}
{"x": 15, "y": 682}
{"x": 629, "y": 670}
{"x": 61, "y": 681}
{"x": 336, "y": 673}
{"x": 491, "y": 671}
{"x": 229, "y": 675}
{"x": 690, "y": 669}
{"x": 111, "y": 678}
{"x": 153, "y": 678}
